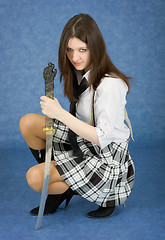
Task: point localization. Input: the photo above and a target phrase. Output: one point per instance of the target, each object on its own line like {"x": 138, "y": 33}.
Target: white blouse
{"x": 109, "y": 104}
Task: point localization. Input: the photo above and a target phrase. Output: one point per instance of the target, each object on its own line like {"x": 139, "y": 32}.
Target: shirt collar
{"x": 86, "y": 75}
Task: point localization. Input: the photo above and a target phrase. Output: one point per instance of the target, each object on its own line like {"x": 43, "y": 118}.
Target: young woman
{"x": 90, "y": 145}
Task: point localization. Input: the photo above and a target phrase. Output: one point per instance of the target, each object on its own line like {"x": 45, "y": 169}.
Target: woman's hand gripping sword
{"x": 49, "y": 73}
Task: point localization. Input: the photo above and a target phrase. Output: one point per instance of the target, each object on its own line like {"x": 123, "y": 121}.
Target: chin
{"x": 79, "y": 68}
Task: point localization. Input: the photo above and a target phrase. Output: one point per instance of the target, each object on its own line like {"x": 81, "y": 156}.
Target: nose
{"x": 75, "y": 56}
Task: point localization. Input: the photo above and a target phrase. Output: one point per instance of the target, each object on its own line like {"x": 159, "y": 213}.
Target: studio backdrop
{"x": 134, "y": 33}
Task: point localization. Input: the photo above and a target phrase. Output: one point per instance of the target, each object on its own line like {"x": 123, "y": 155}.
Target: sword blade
{"x": 48, "y": 154}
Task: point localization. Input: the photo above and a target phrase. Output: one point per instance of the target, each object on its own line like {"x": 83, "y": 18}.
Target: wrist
{"x": 63, "y": 116}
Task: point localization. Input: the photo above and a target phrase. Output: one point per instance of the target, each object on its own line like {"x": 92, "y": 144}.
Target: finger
{"x": 43, "y": 98}
{"x": 43, "y": 111}
{"x": 42, "y": 107}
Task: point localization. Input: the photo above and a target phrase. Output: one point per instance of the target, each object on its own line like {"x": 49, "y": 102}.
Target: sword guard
{"x": 49, "y": 130}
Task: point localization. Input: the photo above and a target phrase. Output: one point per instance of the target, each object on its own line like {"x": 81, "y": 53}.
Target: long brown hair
{"x": 85, "y": 28}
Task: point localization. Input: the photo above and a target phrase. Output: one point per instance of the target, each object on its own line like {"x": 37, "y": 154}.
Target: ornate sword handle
{"x": 49, "y": 74}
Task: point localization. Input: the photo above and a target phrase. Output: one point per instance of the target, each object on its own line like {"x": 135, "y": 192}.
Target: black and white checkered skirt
{"x": 105, "y": 177}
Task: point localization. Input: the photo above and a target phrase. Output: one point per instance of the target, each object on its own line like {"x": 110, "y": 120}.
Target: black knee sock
{"x": 39, "y": 155}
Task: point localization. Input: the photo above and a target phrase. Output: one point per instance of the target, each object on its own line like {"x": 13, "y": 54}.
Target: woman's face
{"x": 78, "y": 54}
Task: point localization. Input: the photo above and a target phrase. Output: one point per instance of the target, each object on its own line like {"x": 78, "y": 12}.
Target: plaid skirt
{"x": 103, "y": 176}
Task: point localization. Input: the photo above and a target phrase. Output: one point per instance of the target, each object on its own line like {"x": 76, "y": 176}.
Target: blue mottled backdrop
{"x": 134, "y": 32}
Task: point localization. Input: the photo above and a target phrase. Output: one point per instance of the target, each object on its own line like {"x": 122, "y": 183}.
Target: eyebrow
{"x": 77, "y": 48}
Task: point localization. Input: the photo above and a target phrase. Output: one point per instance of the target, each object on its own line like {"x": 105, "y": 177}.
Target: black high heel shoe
{"x": 102, "y": 212}
{"x": 54, "y": 201}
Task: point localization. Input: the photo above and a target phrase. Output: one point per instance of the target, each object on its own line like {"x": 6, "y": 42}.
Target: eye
{"x": 83, "y": 50}
{"x": 69, "y": 49}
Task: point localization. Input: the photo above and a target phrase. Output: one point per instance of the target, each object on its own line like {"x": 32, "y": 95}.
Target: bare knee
{"x": 26, "y": 123}
{"x": 35, "y": 178}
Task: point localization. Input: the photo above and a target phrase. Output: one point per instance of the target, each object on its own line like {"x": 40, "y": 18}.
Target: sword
{"x": 49, "y": 73}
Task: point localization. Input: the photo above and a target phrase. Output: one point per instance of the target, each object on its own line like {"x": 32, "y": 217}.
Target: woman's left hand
{"x": 51, "y": 107}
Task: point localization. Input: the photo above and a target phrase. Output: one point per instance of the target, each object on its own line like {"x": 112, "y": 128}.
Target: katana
{"x": 49, "y": 73}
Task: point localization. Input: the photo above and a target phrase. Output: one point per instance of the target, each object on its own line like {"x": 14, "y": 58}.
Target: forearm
{"x": 81, "y": 128}
{"x": 52, "y": 109}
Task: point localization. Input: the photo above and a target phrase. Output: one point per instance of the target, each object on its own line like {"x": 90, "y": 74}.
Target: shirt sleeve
{"x": 107, "y": 106}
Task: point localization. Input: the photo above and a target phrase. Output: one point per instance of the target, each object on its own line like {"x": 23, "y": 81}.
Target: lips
{"x": 77, "y": 63}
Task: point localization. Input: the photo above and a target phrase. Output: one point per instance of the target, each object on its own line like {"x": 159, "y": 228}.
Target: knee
{"x": 34, "y": 178}
{"x": 26, "y": 123}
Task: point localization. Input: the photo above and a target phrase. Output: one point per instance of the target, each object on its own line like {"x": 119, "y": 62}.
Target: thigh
{"x": 54, "y": 174}
{"x": 37, "y": 122}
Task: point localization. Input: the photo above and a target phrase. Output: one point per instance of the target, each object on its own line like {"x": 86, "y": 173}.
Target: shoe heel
{"x": 68, "y": 200}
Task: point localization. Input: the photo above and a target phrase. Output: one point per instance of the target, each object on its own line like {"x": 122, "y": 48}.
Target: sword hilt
{"x": 49, "y": 74}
